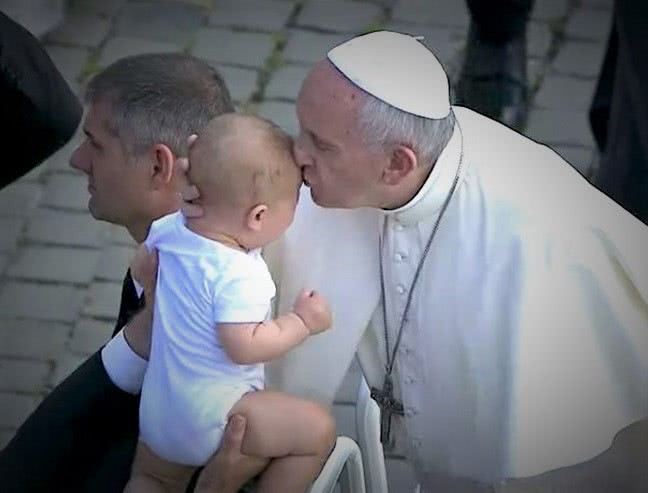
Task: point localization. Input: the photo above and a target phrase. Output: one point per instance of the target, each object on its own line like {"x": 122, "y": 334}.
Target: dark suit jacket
{"x": 39, "y": 111}
{"x": 82, "y": 436}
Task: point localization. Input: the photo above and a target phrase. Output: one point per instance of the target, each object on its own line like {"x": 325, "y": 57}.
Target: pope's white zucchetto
{"x": 397, "y": 69}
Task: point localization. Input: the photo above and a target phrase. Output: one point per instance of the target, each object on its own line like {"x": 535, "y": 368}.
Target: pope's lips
{"x": 305, "y": 177}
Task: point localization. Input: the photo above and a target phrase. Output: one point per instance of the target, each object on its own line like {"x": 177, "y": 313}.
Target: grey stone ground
{"x": 60, "y": 271}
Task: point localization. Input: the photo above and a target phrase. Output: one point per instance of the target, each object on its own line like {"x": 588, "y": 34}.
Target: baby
{"x": 211, "y": 331}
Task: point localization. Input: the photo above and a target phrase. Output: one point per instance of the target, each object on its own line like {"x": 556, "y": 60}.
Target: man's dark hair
{"x": 159, "y": 98}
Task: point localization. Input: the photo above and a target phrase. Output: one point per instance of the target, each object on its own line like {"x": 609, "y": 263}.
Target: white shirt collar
{"x": 429, "y": 199}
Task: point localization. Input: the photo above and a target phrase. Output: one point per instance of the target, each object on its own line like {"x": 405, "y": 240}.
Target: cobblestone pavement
{"x": 60, "y": 271}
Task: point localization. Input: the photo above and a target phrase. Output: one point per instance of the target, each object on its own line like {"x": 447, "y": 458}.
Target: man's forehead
{"x": 98, "y": 118}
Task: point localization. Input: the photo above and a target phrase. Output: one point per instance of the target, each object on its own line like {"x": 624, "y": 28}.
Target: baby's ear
{"x": 256, "y": 216}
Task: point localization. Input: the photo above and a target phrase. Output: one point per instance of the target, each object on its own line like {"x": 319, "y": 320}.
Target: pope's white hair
{"x": 383, "y": 125}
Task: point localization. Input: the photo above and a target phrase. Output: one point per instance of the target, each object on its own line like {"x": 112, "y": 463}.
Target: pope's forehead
{"x": 326, "y": 82}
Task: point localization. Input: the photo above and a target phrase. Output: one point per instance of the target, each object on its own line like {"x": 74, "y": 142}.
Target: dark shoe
{"x": 493, "y": 79}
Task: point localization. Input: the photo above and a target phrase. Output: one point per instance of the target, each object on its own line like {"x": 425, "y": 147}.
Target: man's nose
{"x": 78, "y": 159}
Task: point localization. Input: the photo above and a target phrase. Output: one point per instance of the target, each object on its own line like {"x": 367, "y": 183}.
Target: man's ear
{"x": 402, "y": 162}
{"x": 256, "y": 216}
{"x": 162, "y": 166}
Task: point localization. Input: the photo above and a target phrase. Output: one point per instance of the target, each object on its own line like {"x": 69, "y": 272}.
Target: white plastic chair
{"x": 365, "y": 464}
{"x": 368, "y": 429}
{"x": 343, "y": 468}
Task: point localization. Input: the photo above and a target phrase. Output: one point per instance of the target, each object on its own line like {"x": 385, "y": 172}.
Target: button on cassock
{"x": 400, "y": 289}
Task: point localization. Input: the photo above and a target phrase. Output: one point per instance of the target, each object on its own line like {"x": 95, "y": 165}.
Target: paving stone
{"x": 598, "y": 4}
{"x": 159, "y": 20}
{"x": 348, "y": 392}
{"x": 113, "y": 262}
{"x": 444, "y": 42}
{"x": 15, "y": 408}
{"x": 383, "y": 3}
{"x": 549, "y": 9}
{"x": 105, "y": 8}
{"x": 19, "y": 199}
{"x": 581, "y": 158}
{"x": 283, "y": 114}
{"x": 118, "y": 235}
{"x": 11, "y": 228}
{"x": 59, "y": 162}
{"x": 70, "y": 61}
{"x": 103, "y": 300}
{"x": 432, "y": 12}
{"x": 308, "y": 46}
{"x": 35, "y": 175}
{"x": 338, "y": 15}
{"x": 41, "y": 302}
{"x": 579, "y": 58}
{"x": 535, "y": 71}
{"x": 66, "y": 265}
{"x": 262, "y": 15}
{"x": 121, "y": 46}
{"x": 285, "y": 82}
{"x": 241, "y": 82}
{"x": 64, "y": 228}
{"x": 89, "y": 335}
{"x": 32, "y": 339}
{"x": 37, "y": 16}
{"x": 400, "y": 475}
{"x": 246, "y": 49}
{"x": 80, "y": 30}
{"x": 345, "y": 420}
{"x": 563, "y": 127}
{"x": 565, "y": 93}
{"x": 6, "y": 434}
{"x": 538, "y": 39}
{"x": 64, "y": 367}
{"x": 66, "y": 191}
{"x": 589, "y": 24}
{"x": 23, "y": 376}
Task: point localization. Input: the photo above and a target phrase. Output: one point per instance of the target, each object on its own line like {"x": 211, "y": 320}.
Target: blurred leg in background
{"x": 619, "y": 111}
{"x": 493, "y": 77}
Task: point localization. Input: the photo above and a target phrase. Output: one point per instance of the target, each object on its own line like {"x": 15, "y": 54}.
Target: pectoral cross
{"x": 388, "y": 407}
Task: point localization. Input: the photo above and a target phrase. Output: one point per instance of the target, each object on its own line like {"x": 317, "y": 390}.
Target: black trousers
{"x": 619, "y": 111}
{"x": 498, "y": 21}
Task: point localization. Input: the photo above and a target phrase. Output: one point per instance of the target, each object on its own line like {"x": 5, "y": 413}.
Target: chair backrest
{"x": 368, "y": 430}
{"x": 343, "y": 470}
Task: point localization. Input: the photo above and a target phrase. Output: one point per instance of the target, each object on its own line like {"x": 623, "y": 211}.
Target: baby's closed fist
{"x": 314, "y": 310}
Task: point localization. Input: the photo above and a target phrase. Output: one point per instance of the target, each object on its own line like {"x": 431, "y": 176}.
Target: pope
{"x": 496, "y": 300}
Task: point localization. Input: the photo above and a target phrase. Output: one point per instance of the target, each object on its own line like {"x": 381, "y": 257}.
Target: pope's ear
{"x": 162, "y": 166}
{"x": 402, "y": 162}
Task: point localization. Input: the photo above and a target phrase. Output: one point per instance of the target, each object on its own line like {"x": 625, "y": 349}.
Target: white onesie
{"x": 191, "y": 383}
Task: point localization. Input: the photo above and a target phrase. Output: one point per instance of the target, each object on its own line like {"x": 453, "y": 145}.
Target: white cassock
{"x": 527, "y": 348}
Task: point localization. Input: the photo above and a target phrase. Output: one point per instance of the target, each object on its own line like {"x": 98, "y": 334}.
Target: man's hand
{"x": 191, "y": 206}
{"x": 229, "y": 469}
{"x": 314, "y": 310}
{"x": 143, "y": 269}
{"x": 138, "y": 330}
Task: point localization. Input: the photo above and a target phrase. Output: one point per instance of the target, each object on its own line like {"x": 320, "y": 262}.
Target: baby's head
{"x": 248, "y": 179}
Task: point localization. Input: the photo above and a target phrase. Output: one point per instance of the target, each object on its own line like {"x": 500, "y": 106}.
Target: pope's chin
{"x": 316, "y": 196}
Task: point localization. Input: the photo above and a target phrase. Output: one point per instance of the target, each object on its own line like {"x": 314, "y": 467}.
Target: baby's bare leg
{"x": 298, "y": 434}
{"x": 152, "y": 474}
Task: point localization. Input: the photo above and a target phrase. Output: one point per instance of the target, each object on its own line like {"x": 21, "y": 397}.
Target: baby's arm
{"x": 258, "y": 342}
